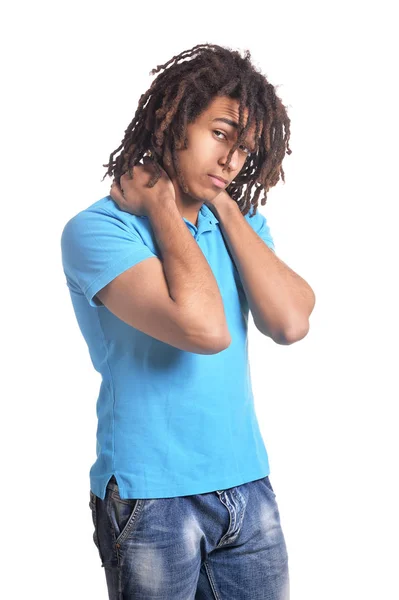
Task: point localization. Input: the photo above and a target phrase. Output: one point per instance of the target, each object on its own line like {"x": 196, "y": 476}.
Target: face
{"x": 210, "y": 138}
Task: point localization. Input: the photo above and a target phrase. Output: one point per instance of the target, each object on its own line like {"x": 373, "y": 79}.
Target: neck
{"x": 187, "y": 206}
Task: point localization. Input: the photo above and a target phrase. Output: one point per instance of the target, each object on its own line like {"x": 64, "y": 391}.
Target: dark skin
{"x": 209, "y": 142}
{"x": 279, "y": 299}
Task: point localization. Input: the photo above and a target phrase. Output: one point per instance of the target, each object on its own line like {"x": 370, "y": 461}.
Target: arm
{"x": 279, "y": 299}
{"x": 191, "y": 283}
{"x": 176, "y": 299}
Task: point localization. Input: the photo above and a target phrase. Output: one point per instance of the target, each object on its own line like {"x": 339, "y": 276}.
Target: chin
{"x": 200, "y": 195}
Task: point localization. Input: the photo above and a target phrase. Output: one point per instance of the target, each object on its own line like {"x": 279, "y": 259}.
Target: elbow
{"x": 216, "y": 343}
{"x": 292, "y": 335}
{"x": 213, "y": 342}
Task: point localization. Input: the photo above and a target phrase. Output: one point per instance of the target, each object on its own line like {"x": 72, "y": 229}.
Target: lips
{"x": 216, "y": 182}
{"x": 217, "y": 177}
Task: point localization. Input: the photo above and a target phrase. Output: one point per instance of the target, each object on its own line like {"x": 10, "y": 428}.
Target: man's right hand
{"x": 133, "y": 195}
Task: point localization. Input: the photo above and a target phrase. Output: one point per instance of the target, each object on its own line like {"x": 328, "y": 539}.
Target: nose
{"x": 234, "y": 162}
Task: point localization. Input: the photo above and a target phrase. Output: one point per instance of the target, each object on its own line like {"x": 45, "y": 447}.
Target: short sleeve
{"x": 260, "y": 226}
{"x": 96, "y": 247}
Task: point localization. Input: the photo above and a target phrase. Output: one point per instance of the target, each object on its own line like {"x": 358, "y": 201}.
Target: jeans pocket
{"x": 93, "y": 508}
{"x": 124, "y": 515}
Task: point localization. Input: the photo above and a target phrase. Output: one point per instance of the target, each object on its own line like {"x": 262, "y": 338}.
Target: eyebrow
{"x": 228, "y": 121}
{"x": 232, "y": 123}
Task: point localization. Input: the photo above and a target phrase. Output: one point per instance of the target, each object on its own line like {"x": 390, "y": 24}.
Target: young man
{"x": 162, "y": 274}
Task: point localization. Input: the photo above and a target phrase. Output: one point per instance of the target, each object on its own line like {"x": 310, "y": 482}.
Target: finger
{"x": 115, "y": 188}
{"x": 116, "y": 192}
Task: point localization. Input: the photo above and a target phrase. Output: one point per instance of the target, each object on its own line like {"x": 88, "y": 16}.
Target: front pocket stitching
{"x": 131, "y": 521}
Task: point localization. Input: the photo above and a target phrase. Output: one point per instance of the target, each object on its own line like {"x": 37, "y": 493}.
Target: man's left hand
{"x": 220, "y": 200}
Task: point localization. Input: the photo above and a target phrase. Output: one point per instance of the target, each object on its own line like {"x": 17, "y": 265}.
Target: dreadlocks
{"x": 181, "y": 92}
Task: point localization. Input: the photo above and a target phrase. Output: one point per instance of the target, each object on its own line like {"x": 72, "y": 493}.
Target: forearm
{"x": 192, "y": 285}
{"x": 280, "y": 300}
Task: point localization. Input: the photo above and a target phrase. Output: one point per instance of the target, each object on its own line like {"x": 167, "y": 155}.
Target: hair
{"x": 180, "y": 93}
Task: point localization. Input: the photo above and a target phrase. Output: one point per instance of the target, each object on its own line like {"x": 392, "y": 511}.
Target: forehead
{"x": 223, "y": 107}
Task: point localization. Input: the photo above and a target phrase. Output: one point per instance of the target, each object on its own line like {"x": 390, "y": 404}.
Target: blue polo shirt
{"x": 170, "y": 422}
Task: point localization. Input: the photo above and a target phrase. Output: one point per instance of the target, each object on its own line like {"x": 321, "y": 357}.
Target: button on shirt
{"x": 170, "y": 422}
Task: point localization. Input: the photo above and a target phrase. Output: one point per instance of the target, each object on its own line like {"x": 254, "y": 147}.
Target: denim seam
{"x": 234, "y": 528}
{"x": 233, "y": 514}
{"x": 238, "y": 493}
{"x": 224, "y": 536}
{"x": 95, "y": 536}
{"x": 138, "y": 507}
{"x": 211, "y": 580}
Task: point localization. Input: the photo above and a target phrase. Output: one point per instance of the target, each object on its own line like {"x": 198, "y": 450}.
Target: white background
{"x": 73, "y": 74}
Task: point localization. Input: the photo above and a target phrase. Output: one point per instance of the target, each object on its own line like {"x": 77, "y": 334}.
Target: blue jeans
{"x": 226, "y": 544}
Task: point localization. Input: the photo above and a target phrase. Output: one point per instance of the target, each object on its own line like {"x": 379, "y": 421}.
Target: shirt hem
{"x": 98, "y": 487}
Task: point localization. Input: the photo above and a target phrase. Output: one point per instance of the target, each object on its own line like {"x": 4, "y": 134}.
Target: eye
{"x": 217, "y": 131}
{"x": 246, "y": 149}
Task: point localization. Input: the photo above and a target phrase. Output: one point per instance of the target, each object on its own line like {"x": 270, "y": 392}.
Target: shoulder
{"x": 260, "y": 225}
{"x": 255, "y": 219}
{"x": 101, "y": 217}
